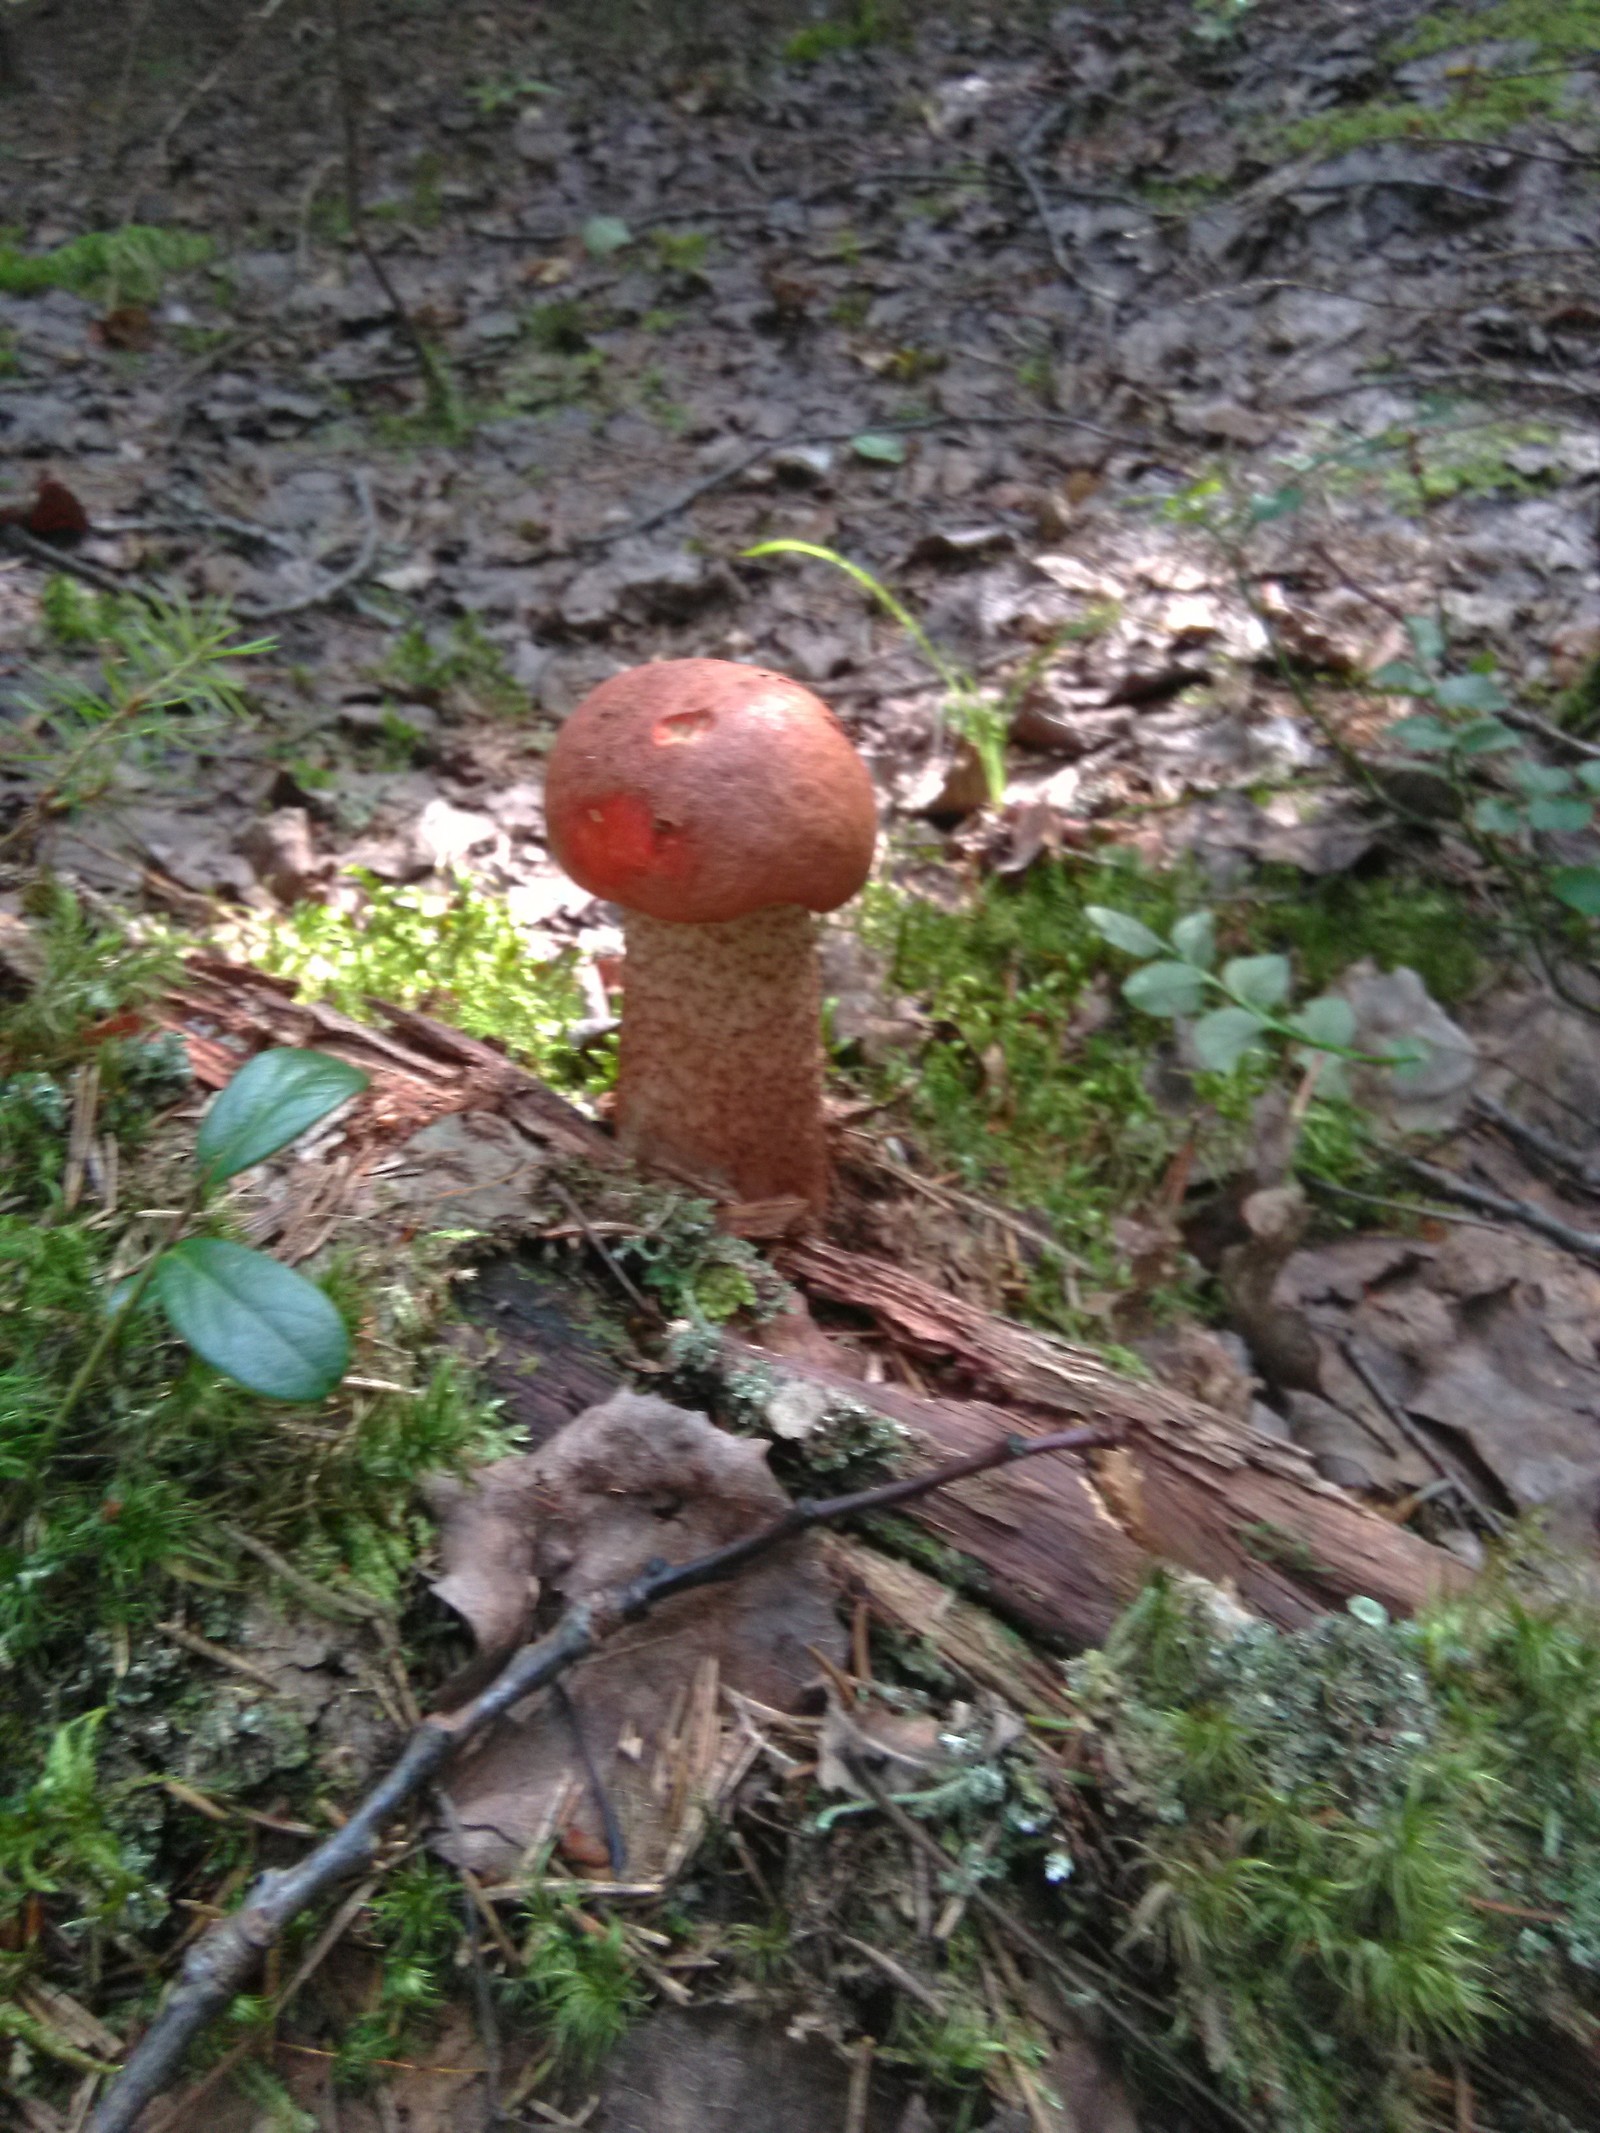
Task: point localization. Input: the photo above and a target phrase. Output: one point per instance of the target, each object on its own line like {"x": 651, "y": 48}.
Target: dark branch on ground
{"x": 221, "y": 1962}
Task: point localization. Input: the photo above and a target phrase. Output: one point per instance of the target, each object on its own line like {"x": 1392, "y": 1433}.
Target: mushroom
{"x": 720, "y": 806}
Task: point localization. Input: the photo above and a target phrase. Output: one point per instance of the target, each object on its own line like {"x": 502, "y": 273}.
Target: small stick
{"x": 1542, "y": 1144}
{"x": 616, "y": 1844}
{"x": 224, "y": 1957}
{"x": 899, "y": 1976}
{"x": 1445, "y": 1469}
{"x": 219, "y": 1655}
{"x": 855, "y": 2116}
{"x": 592, "y": 1237}
{"x": 342, "y": 580}
{"x": 73, "y": 566}
{"x": 324, "y": 1598}
{"x": 1584, "y": 1242}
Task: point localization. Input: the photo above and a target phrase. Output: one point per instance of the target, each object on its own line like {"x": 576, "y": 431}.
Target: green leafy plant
{"x": 581, "y": 1984}
{"x": 500, "y": 91}
{"x": 822, "y": 40}
{"x": 55, "y": 1835}
{"x": 1176, "y": 979}
{"x": 681, "y": 253}
{"x": 464, "y": 673}
{"x": 246, "y": 1314}
{"x": 1466, "y": 738}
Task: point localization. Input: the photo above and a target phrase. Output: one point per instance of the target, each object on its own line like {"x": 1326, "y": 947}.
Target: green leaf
{"x": 1501, "y": 818}
{"x": 257, "y": 1321}
{"x": 1195, "y": 938}
{"x": 1280, "y": 504}
{"x": 1222, "y": 1038}
{"x": 1326, "y": 1020}
{"x": 1333, "y": 1076}
{"x": 1471, "y": 692}
{"x": 1579, "y": 887}
{"x": 880, "y": 445}
{"x": 1166, "y": 989}
{"x": 1260, "y": 981}
{"x": 1422, "y": 736}
{"x": 1125, "y": 932}
{"x": 1558, "y": 814}
{"x": 1398, "y": 677}
{"x": 1542, "y": 778}
{"x": 605, "y": 234}
{"x": 1485, "y": 736}
{"x": 1427, "y": 639}
{"x": 1589, "y": 776}
{"x": 271, "y": 1101}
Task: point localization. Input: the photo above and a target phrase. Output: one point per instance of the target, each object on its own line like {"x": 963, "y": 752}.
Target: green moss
{"x": 1481, "y": 112}
{"x": 1396, "y": 919}
{"x": 129, "y": 265}
{"x": 457, "y": 954}
{"x": 1556, "y": 27}
{"x": 464, "y": 674}
{"x": 1481, "y": 105}
{"x": 1339, "y": 1830}
{"x": 122, "y": 1519}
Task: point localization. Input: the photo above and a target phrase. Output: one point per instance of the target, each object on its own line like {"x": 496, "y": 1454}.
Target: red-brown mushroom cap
{"x": 698, "y": 789}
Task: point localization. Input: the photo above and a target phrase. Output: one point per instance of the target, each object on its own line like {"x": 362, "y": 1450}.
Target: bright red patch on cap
{"x": 618, "y": 840}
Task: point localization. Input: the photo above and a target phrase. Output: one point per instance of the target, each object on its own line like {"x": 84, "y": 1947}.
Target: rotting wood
{"x": 421, "y": 1069}
{"x": 1064, "y": 1549}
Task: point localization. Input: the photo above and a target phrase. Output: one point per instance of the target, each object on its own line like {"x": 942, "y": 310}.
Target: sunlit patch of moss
{"x": 1481, "y": 112}
{"x": 457, "y": 954}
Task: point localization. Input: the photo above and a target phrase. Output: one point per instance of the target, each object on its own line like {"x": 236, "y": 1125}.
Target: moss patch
{"x": 1342, "y": 1833}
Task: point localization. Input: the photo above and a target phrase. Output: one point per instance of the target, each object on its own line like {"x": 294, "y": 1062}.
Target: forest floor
{"x": 1218, "y": 386}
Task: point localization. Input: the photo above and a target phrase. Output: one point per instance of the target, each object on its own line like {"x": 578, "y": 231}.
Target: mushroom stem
{"x": 720, "y": 1072}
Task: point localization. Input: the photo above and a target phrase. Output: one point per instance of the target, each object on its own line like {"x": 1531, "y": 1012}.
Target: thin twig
{"x": 201, "y": 89}
{"x": 616, "y": 1843}
{"x": 349, "y": 1606}
{"x": 342, "y": 580}
{"x": 435, "y": 382}
{"x": 219, "y": 1655}
{"x": 1534, "y": 1138}
{"x": 218, "y": 1965}
{"x": 773, "y": 446}
{"x": 316, "y": 1955}
{"x": 1584, "y": 1242}
{"x": 22, "y": 542}
{"x": 596, "y": 1243}
{"x": 1446, "y": 1469}
{"x": 855, "y": 2116}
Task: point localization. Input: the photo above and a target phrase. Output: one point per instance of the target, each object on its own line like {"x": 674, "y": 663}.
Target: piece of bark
{"x": 420, "y": 1069}
{"x": 1064, "y": 1551}
{"x": 966, "y": 1637}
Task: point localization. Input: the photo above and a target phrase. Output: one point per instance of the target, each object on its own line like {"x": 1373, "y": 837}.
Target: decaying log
{"x": 421, "y": 1069}
{"x": 1064, "y": 1548}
